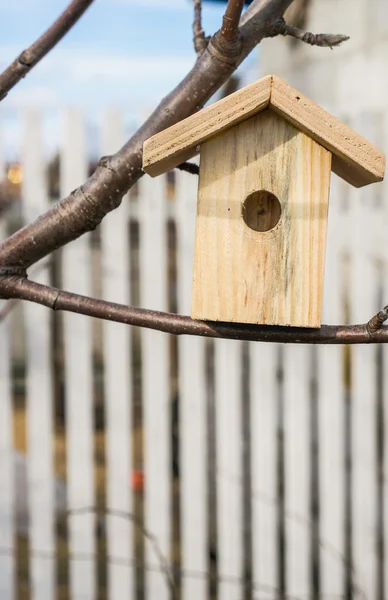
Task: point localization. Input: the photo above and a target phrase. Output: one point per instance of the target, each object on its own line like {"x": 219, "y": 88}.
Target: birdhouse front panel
{"x": 261, "y": 225}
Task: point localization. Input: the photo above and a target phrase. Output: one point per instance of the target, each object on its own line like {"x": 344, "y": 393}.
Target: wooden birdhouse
{"x": 266, "y": 155}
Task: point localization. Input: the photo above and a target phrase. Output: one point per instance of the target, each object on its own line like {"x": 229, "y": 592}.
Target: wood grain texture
{"x": 354, "y": 158}
{"x": 273, "y": 277}
{"x": 178, "y": 143}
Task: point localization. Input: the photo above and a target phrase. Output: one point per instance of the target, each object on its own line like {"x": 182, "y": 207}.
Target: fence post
{"x": 331, "y": 411}
{"x": 364, "y": 298}
{"x": 297, "y": 406}
{"x": 264, "y": 390}
{"x": 7, "y": 476}
{"x": 155, "y": 382}
{"x": 39, "y": 385}
{"x": 117, "y": 379}
{"x": 192, "y": 406}
{"x": 229, "y": 470}
{"x": 76, "y": 277}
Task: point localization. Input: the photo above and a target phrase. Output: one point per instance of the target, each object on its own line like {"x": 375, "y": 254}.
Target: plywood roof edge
{"x": 178, "y": 143}
{"x": 354, "y": 159}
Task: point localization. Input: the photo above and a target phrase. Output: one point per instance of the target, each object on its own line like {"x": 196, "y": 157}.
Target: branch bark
{"x": 378, "y": 320}
{"x": 19, "y": 287}
{"x": 30, "y": 57}
{"x": 84, "y": 208}
{"x": 231, "y": 19}
{"x": 199, "y": 40}
{"x": 323, "y": 40}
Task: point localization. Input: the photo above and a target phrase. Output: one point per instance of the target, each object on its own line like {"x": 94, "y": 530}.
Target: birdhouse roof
{"x": 354, "y": 159}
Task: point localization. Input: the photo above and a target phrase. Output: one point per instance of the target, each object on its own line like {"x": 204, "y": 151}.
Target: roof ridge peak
{"x": 354, "y": 158}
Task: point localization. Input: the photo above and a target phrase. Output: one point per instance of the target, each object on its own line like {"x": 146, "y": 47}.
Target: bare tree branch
{"x": 19, "y": 287}
{"x": 199, "y": 39}
{"x": 30, "y": 57}
{"x": 323, "y": 40}
{"x": 84, "y": 208}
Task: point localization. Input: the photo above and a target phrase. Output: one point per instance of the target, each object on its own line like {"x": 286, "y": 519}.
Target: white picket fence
{"x": 283, "y": 454}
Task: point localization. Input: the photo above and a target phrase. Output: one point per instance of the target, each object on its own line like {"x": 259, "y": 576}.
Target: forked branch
{"x": 30, "y": 57}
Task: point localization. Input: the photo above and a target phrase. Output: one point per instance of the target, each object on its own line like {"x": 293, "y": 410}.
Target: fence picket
{"x": 297, "y": 407}
{"x": 155, "y": 379}
{"x": 364, "y": 466}
{"x": 331, "y": 415}
{"x": 229, "y": 468}
{"x": 7, "y": 493}
{"x": 264, "y": 452}
{"x": 76, "y": 276}
{"x": 363, "y": 449}
{"x": 117, "y": 377}
{"x": 364, "y": 303}
{"x": 39, "y": 386}
{"x": 192, "y": 405}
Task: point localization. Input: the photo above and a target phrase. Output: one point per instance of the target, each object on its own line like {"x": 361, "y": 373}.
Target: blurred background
{"x": 134, "y": 464}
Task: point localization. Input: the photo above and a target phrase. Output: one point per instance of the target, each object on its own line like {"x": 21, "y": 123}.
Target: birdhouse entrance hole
{"x": 261, "y": 211}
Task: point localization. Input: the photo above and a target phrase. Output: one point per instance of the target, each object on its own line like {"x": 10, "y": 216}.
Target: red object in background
{"x": 138, "y": 481}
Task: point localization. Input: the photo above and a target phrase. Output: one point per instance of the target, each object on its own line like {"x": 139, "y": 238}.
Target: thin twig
{"x": 30, "y": 57}
{"x": 19, "y": 287}
{"x": 323, "y": 40}
{"x": 304, "y": 522}
{"x": 122, "y": 514}
{"x": 190, "y": 574}
{"x": 378, "y": 320}
{"x": 231, "y": 19}
{"x": 199, "y": 39}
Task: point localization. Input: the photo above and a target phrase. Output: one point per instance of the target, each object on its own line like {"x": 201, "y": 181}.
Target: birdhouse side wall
{"x": 272, "y": 277}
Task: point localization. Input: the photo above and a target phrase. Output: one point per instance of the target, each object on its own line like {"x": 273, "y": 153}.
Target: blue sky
{"x": 123, "y": 54}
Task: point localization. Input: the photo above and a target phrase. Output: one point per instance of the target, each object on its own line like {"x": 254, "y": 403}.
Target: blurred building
{"x": 346, "y": 80}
